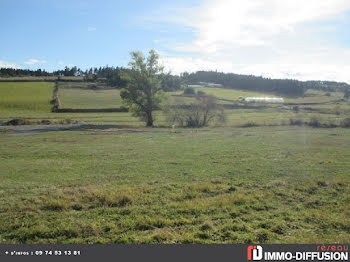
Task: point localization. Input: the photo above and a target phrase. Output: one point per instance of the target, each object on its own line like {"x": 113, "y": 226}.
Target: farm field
{"x": 194, "y": 186}
{"x": 30, "y": 100}
{"x": 311, "y": 96}
{"x": 232, "y": 94}
{"x": 235, "y": 118}
{"x": 327, "y": 108}
{"x": 82, "y": 95}
{"x": 25, "y": 97}
{"x": 119, "y": 182}
{"x": 85, "y": 98}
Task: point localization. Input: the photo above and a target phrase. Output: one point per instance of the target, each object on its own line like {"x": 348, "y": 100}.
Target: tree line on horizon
{"x": 112, "y": 76}
{"x": 288, "y": 87}
{"x": 109, "y": 74}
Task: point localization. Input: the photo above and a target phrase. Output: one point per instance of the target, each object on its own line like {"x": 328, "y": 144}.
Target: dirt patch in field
{"x": 21, "y": 130}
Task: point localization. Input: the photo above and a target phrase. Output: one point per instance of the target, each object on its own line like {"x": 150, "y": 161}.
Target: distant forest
{"x": 112, "y": 76}
{"x": 288, "y": 87}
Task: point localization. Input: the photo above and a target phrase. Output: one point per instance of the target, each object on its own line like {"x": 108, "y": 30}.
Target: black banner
{"x": 188, "y": 252}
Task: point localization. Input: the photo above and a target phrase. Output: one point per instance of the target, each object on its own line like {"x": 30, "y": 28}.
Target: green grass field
{"x": 311, "y": 96}
{"x": 222, "y": 185}
{"x": 232, "y": 94}
{"x": 25, "y": 97}
{"x": 30, "y": 100}
{"x": 22, "y": 102}
{"x": 84, "y": 98}
{"x": 273, "y": 183}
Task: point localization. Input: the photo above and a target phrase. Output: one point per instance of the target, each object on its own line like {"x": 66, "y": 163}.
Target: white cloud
{"x": 4, "y": 64}
{"x": 34, "y": 62}
{"x": 329, "y": 64}
{"x": 91, "y": 28}
{"x": 271, "y": 38}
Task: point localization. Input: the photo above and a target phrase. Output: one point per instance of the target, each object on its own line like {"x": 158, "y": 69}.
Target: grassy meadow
{"x": 232, "y": 94}
{"x": 30, "y": 100}
{"x": 84, "y": 98}
{"x": 222, "y": 185}
{"x": 25, "y": 97}
{"x": 267, "y": 182}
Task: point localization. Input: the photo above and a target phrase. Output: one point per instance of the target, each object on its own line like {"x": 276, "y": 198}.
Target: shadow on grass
{"x": 36, "y": 129}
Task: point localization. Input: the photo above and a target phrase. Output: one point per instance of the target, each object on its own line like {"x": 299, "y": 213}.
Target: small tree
{"x": 143, "y": 92}
{"x": 189, "y": 91}
{"x": 198, "y": 114}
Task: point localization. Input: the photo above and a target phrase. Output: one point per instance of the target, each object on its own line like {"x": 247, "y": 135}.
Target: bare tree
{"x": 201, "y": 113}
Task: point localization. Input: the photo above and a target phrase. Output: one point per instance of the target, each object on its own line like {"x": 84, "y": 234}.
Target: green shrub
{"x": 189, "y": 91}
{"x": 295, "y": 122}
{"x": 345, "y": 123}
{"x": 315, "y": 122}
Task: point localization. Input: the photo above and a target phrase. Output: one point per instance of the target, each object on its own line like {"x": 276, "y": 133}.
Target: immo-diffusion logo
{"x": 255, "y": 253}
{"x": 323, "y": 253}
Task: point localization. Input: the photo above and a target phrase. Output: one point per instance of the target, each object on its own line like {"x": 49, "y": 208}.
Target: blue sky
{"x": 290, "y": 38}
{"x": 83, "y": 33}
